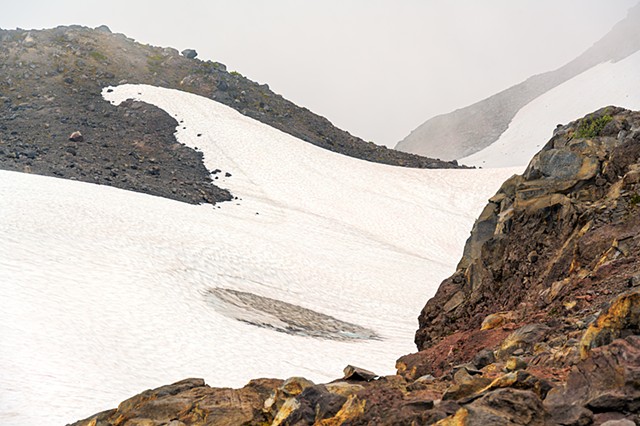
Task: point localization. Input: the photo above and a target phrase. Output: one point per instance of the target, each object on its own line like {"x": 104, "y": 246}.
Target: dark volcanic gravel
{"x": 130, "y": 147}
{"x": 50, "y": 85}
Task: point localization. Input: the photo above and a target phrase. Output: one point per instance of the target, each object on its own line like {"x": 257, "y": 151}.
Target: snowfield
{"x": 610, "y": 83}
{"x": 323, "y": 261}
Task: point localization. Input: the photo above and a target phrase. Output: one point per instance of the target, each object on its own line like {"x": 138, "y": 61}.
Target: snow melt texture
{"x": 107, "y": 292}
{"x": 610, "y": 83}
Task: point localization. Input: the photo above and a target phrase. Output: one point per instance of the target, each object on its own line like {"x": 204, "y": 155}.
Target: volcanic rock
{"x": 514, "y": 363}
{"x": 104, "y": 29}
{"x": 609, "y": 380}
{"x": 358, "y": 374}
{"x": 578, "y": 221}
{"x": 502, "y": 407}
{"x": 522, "y": 339}
{"x": 189, "y": 53}
{"x": 294, "y": 386}
{"x": 622, "y": 319}
{"x": 496, "y": 320}
{"x": 465, "y": 386}
{"x": 176, "y": 403}
{"x": 76, "y": 137}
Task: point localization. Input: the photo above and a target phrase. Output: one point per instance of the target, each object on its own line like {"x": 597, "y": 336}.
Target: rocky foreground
{"x": 540, "y": 324}
{"x": 50, "y": 87}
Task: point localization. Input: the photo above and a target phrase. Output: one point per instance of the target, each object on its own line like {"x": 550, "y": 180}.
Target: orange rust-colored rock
{"x": 620, "y": 320}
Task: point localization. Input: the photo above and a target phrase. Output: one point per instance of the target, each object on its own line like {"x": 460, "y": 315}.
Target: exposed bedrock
{"x": 539, "y": 325}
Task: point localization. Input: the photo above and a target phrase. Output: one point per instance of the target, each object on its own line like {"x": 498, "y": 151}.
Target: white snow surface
{"x": 610, "y": 83}
{"x": 103, "y": 289}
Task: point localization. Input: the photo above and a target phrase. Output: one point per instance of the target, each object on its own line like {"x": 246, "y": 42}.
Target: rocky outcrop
{"x": 605, "y": 385}
{"x": 554, "y": 244}
{"x": 191, "y": 402}
{"x": 50, "y": 86}
{"x": 551, "y": 262}
{"x": 540, "y": 324}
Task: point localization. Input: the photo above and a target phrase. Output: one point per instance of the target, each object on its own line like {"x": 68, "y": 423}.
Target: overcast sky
{"x": 377, "y": 68}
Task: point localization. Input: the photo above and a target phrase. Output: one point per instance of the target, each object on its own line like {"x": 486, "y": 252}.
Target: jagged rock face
{"x": 547, "y": 289}
{"x": 607, "y": 381}
{"x": 50, "y": 87}
{"x": 554, "y": 243}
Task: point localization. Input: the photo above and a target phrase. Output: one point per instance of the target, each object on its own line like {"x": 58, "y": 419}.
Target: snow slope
{"x": 107, "y": 292}
{"x": 605, "y": 84}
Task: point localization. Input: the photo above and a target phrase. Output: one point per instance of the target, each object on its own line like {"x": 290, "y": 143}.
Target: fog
{"x": 377, "y": 68}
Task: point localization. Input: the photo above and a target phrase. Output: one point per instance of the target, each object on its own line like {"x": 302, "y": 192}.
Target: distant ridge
{"x": 468, "y": 130}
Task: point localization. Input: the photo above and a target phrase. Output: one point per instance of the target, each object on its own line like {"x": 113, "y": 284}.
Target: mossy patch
{"x": 591, "y": 127}
{"x": 98, "y": 56}
{"x": 154, "y": 63}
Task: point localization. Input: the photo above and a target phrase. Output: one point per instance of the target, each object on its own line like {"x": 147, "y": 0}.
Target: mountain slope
{"x": 316, "y": 264}
{"x": 50, "y": 87}
{"x": 605, "y": 84}
{"x": 470, "y": 129}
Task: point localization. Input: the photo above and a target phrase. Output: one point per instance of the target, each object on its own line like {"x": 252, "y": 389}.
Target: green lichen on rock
{"x": 591, "y": 127}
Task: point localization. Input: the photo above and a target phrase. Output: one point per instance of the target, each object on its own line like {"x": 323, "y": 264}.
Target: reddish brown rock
{"x": 607, "y": 381}
{"x": 501, "y": 407}
{"x": 554, "y": 244}
{"x": 452, "y": 350}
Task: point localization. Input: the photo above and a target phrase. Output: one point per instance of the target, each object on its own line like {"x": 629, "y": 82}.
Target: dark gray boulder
{"x": 189, "y": 53}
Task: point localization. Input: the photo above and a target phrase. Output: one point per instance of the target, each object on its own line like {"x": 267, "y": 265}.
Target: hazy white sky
{"x": 377, "y": 68}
